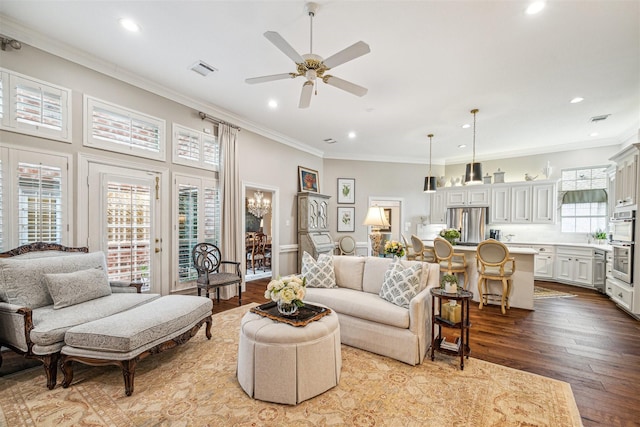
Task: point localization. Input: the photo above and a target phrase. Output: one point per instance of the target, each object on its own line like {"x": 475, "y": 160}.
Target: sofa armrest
{"x": 125, "y": 287}
{"x": 16, "y": 323}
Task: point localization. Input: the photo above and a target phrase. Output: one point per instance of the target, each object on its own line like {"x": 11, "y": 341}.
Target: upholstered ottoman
{"x": 281, "y": 363}
{"x": 125, "y": 338}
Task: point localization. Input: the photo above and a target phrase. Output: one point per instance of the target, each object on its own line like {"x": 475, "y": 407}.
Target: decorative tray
{"x": 306, "y": 314}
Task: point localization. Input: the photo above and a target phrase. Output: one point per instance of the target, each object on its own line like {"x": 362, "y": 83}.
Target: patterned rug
{"x": 195, "y": 385}
{"x": 541, "y": 293}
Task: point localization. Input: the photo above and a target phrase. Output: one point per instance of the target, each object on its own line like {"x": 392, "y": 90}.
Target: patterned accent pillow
{"x": 401, "y": 283}
{"x": 320, "y": 273}
{"x": 68, "y": 289}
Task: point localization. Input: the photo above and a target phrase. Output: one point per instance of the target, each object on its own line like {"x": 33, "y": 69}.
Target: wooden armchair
{"x": 207, "y": 261}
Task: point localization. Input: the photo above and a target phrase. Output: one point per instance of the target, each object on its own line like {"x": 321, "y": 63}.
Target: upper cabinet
{"x": 458, "y": 197}
{"x": 626, "y": 180}
{"x": 523, "y": 203}
{"x": 438, "y": 207}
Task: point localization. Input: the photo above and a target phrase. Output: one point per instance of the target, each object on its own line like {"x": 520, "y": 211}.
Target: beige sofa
{"x": 372, "y": 323}
{"x": 30, "y": 323}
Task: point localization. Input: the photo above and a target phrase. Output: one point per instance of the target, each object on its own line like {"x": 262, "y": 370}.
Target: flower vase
{"x": 287, "y": 309}
{"x": 452, "y": 241}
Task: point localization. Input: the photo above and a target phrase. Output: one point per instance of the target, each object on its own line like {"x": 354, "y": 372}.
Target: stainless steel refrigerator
{"x": 470, "y": 222}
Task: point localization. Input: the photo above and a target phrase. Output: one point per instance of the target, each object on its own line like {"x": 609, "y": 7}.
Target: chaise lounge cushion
{"x": 21, "y": 279}
{"x": 68, "y": 289}
{"x": 50, "y": 324}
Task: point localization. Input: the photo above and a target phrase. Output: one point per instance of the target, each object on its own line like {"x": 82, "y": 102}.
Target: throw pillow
{"x": 320, "y": 273}
{"x": 401, "y": 283}
{"x": 68, "y": 289}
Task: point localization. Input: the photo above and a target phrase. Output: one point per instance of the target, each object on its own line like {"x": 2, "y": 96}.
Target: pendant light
{"x": 473, "y": 172}
{"x": 430, "y": 181}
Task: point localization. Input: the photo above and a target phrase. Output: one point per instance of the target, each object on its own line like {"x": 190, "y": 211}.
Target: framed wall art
{"x": 308, "y": 180}
{"x": 346, "y": 219}
{"x": 346, "y": 190}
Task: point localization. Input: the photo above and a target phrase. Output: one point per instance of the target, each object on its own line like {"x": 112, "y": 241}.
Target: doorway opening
{"x": 260, "y": 211}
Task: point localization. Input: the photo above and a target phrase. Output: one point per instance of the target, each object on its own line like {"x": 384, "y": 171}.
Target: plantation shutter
{"x": 128, "y": 231}
{"x": 123, "y": 129}
{"x": 211, "y": 151}
{"x": 188, "y": 145}
{"x": 1, "y": 208}
{"x": 40, "y": 215}
{"x": 194, "y": 148}
{"x": 211, "y": 213}
{"x": 188, "y": 196}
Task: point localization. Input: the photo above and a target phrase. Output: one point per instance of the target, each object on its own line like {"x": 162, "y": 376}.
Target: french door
{"x": 124, "y": 222}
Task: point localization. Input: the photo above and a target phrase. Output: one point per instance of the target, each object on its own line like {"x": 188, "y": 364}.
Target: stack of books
{"x": 449, "y": 345}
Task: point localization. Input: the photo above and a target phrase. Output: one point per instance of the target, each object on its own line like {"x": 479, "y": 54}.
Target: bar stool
{"x": 494, "y": 263}
{"x": 450, "y": 261}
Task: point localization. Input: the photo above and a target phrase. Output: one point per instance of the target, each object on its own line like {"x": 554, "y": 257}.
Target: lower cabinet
{"x": 620, "y": 293}
{"x": 574, "y": 265}
{"x": 543, "y": 262}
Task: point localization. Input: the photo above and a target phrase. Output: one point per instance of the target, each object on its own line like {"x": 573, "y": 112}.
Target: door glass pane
{"x": 129, "y": 232}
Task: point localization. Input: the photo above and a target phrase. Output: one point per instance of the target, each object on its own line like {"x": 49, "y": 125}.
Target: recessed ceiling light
{"x": 130, "y": 25}
{"x": 351, "y": 134}
{"x": 466, "y": 126}
{"x": 462, "y": 145}
{"x": 594, "y": 134}
{"x": 273, "y": 103}
{"x": 576, "y": 100}
{"x": 535, "y": 7}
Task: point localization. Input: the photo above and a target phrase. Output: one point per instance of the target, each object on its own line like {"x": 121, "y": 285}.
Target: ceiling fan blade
{"x": 284, "y": 46}
{"x": 345, "y": 85}
{"x": 270, "y": 78}
{"x": 352, "y": 52}
{"x": 305, "y": 95}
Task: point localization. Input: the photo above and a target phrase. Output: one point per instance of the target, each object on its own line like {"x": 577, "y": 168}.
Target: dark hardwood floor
{"x": 585, "y": 340}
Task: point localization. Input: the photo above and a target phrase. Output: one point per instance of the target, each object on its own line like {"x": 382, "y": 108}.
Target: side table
{"x": 464, "y": 298}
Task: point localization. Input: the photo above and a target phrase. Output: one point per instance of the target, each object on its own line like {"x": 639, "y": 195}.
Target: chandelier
{"x": 258, "y": 206}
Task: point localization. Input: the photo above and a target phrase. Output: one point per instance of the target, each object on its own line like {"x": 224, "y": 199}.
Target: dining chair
{"x": 494, "y": 263}
{"x": 409, "y": 253}
{"x": 450, "y": 262}
{"x": 207, "y": 261}
{"x": 347, "y": 245}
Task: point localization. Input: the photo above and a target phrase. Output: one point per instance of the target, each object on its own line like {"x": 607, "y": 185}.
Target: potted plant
{"x": 600, "y": 236}
{"x": 449, "y": 283}
{"x": 450, "y": 234}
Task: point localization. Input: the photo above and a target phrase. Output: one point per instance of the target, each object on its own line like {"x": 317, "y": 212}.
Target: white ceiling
{"x": 431, "y": 62}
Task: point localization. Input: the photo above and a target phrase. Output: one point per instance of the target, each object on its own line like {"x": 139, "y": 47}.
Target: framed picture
{"x": 308, "y": 179}
{"x": 387, "y": 214}
{"x": 346, "y": 190}
{"x": 346, "y": 219}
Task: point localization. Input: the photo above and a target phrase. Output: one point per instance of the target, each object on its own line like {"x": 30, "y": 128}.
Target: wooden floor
{"x": 585, "y": 341}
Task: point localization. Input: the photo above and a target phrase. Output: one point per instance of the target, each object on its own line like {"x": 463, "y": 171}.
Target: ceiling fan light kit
{"x": 311, "y": 66}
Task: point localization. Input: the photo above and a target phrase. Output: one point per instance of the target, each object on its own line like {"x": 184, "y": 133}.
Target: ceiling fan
{"x": 312, "y": 67}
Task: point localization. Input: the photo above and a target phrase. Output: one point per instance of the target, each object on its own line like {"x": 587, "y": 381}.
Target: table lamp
{"x": 376, "y": 219}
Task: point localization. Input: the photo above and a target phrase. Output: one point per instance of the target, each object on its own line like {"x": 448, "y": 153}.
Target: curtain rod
{"x": 205, "y": 116}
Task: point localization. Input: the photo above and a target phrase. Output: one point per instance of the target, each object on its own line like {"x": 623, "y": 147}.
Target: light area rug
{"x": 195, "y": 385}
{"x": 540, "y": 292}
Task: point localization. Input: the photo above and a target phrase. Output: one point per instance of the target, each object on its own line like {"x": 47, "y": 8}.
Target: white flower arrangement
{"x": 287, "y": 290}
{"x": 394, "y": 248}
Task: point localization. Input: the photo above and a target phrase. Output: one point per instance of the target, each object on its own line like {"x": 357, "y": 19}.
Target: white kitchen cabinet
{"x": 500, "y": 211}
{"x": 599, "y": 268}
{"x": 438, "y": 207}
{"x": 543, "y": 206}
{"x": 626, "y": 179}
{"x": 620, "y": 293}
{"x": 543, "y": 262}
{"x": 574, "y": 265}
{"x": 462, "y": 197}
{"x": 521, "y": 204}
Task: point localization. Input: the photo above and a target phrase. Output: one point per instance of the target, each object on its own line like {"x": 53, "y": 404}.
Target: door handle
{"x": 158, "y": 250}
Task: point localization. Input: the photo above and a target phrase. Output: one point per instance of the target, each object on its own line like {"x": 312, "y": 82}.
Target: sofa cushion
{"x": 21, "y": 280}
{"x": 373, "y": 274}
{"x": 348, "y": 270}
{"x": 360, "y": 304}
{"x": 68, "y": 289}
{"x": 319, "y": 274}
{"x": 401, "y": 283}
{"x": 50, "y": 325}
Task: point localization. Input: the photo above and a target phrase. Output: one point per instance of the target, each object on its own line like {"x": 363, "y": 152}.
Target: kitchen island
{"x": 522, "y": 289}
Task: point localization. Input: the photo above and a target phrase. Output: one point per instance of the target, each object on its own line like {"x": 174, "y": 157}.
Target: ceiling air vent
{"x": 596, "y": 119}
{"x": 330, "y": 140}
{"x": 202, "y": 68}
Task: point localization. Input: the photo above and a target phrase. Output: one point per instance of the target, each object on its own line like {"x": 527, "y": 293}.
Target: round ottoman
{"x": 281, "y": 363}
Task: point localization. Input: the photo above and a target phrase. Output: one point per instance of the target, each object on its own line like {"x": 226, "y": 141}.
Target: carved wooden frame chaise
{"x": 48, "y": 290}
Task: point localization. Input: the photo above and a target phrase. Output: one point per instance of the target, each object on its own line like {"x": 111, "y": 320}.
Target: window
{"x": 34, "y": 107}
{"x": 193, "y": 148}
{"x": 114, "y": 128}
{"x": 584, "y": 200}
{"x": 33, "y": 196}
{"x": 128, "y": 231}
{"x": 197, "y": 207}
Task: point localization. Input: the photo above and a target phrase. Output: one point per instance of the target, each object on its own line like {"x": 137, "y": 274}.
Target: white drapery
{"x": 232, "y": 243}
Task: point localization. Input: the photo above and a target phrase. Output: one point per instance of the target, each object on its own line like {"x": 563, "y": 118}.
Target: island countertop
{"x": 523, "y": 282}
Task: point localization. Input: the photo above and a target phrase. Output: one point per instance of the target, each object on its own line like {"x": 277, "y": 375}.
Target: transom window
{"x": 584, "y": 200}
{"x": 194, "y": 148}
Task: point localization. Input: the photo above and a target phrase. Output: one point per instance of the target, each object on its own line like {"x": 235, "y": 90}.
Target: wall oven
{"x": 622, "y": 232}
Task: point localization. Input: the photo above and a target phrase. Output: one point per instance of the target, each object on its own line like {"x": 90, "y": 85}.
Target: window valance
{"x": 585, "y": 196}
